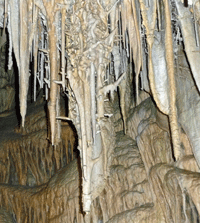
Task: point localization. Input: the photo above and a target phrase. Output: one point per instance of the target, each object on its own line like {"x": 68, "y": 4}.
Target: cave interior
{"x": 99, "y": 110}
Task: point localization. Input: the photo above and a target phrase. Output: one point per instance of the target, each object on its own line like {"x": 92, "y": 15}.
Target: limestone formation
{"x": 99, "y": 111}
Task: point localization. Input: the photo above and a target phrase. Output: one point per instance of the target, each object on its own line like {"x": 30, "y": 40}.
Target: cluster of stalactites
{"x": 38, "y": 37}
{"x": 30, "y": 38}
{"x": 85, "y": 47}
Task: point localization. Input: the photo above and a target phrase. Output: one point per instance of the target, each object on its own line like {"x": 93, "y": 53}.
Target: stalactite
{"x": 120, "y": 33}
{"x": 159, "y": 15}
{"x": 150, "y": 26}
{"x": 126, "y": 41}
{"x": 10, "y": 62}
{"x": 15, "y": 29}
{"x": 54, "y": 77}
{"x": 122, "y": 87}
{"x": 24, "y": 59}
{"x": 188, "y": 33}
{"x": 93, "y": 102}
{"x": 112, "y": 87}
{"x": 130, "y": 20}
{"x": 77, "y": 85}
{"x": 139, "y": 62}
{"x": 117, "y": 61}
{"x": 87, "y": 107}
{"x": 35, "y": 52}
{"x": 100, "y": 101}
{"x": 5, "y": 15}
{"x": 170, "y": 69}
{"x": 63, "y": 48}
{"x": 33, "y": 28}
{"x": 42, "y": 61}
{"x": 196, "y": 25}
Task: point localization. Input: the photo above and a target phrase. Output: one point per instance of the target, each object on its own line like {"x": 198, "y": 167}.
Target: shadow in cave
{"x": 17, "y": 103}
{"x": 77, "y": 156}
{"x": 76, "y": 152}
{"x": 78, "y": 159}
{"x": 4, "y": 60}
{"x": 186, "y": 3}
{"x": 80, "y": 184}
{"x": 6, "y": 49}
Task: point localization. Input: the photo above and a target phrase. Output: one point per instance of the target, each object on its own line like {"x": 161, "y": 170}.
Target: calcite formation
{"x": 99, "y": 111}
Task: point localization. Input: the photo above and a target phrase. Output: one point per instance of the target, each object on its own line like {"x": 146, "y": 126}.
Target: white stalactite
{"x": 63, "y": 12}
{"x": 15, "y": 29}
{"x": 172, "y": 83}
{"x": 93, "y": 102}
{"x": 35, "y": 54}
{"x": 24, "y": 59}
{"x": 10, "y": 62}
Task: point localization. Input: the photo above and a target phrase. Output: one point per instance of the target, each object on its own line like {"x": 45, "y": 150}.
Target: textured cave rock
{"x": 141, "y": 172}
{"x": 99, "y": 111}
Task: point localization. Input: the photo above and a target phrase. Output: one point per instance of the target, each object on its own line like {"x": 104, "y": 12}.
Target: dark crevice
{"x": 186, "y": 3}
